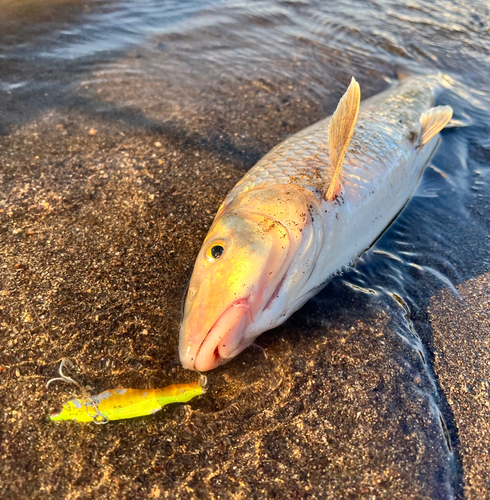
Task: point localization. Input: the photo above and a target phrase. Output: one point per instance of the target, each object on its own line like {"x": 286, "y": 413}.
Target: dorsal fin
{"x": 433, "y": 121}
{"x": 340, "y": 132}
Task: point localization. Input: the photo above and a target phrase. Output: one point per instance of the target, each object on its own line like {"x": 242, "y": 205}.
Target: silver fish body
{"x": 286, "y": 188}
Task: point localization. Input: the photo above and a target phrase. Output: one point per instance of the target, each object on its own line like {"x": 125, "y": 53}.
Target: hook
{"x": 63, "y": 377}
{"x": 98, "y": 417}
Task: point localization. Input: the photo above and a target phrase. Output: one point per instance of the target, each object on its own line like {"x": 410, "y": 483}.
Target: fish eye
{"x": 215, "y": 251}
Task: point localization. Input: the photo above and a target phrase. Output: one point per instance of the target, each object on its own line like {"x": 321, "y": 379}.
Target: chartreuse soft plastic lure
{"x": 118, "y": 404}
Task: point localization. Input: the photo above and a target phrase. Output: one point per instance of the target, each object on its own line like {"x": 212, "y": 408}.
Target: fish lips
{"x": 222, "y": 342}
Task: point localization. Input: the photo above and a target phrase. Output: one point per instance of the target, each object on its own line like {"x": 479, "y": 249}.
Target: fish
{"x": 304, "y": 213}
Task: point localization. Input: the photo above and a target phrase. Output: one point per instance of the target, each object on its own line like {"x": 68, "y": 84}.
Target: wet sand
{"x": 461, "y": 328}
{"x": 98, "y": 237}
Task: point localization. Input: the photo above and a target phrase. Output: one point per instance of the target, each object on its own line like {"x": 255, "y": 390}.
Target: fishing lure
{"x": 118, "y": 404}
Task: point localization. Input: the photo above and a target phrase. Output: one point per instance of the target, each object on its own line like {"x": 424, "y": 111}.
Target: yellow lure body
{"x": 118, "y": 404}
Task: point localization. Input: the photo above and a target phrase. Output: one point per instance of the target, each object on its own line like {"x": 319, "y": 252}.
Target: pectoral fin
{"x": 340, "y": 132}
{"x": 433, "y": 121}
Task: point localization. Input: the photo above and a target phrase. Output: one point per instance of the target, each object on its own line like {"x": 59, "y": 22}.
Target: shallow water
{"x": 228, "y": 80}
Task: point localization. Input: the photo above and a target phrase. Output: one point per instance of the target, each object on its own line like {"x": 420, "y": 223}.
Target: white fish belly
{"x": 356, "y": 225}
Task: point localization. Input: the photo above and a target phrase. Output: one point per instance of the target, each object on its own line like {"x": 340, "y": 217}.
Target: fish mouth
{"x": 224, "y": 340}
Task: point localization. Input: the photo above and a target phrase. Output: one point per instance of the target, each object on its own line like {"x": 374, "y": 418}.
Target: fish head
{"x": 240, "y": 266}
